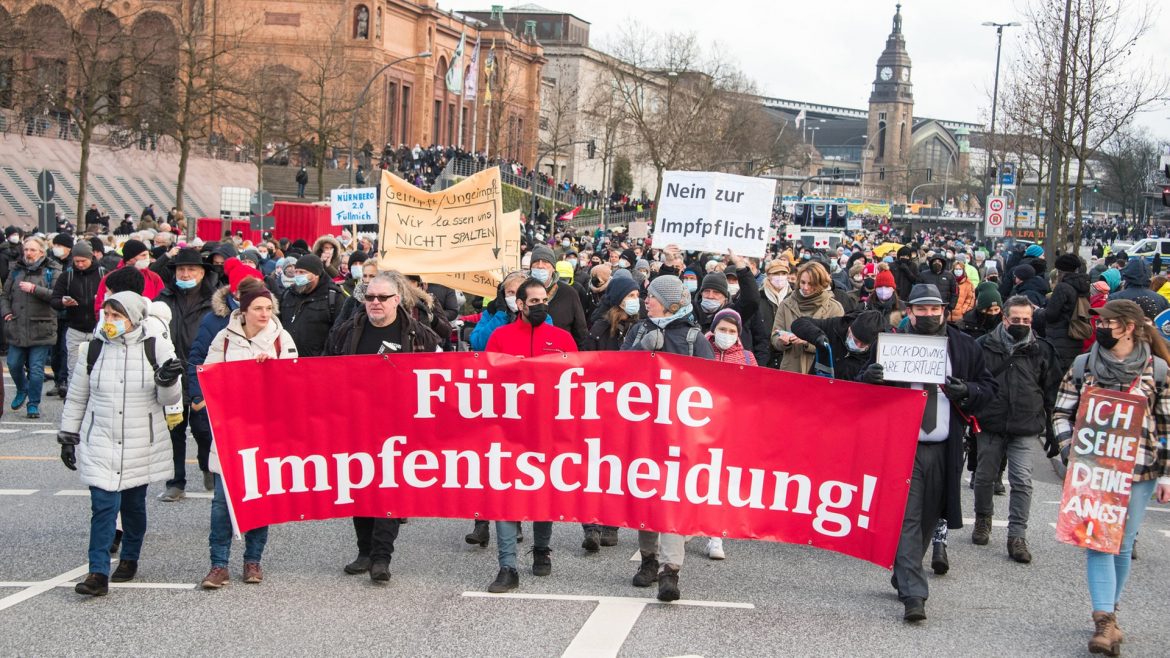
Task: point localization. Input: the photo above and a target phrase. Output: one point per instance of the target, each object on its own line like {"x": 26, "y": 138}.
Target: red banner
{"x": 659, "y": 442}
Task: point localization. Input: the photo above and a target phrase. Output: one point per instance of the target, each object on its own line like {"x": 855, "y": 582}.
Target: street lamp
{"x": 362, "y": 99}
{"x": 995, "y": 89}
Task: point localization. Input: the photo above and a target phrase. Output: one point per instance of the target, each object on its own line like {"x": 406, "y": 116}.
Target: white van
{"x": 1148, "y": 247}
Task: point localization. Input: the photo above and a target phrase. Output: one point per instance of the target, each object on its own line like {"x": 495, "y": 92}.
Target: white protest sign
{"x": 913, "y": 358}
{"x": 639, "y": 230}
{"x": 358, "y": 205}
{"x": 710, "y": 211}
{"x": 792, "y": 232}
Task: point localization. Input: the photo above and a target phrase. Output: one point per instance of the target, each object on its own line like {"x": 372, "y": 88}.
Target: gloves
{"x": 823, "y": 342}
{"x": 874, "y": 373}
{"x": 1066, "y": 439}
{"x": 168, "y": 373}
{"x": 69, "y": 457}
{"x": 955, "y": 389}
{"x": 1051, "y": 445}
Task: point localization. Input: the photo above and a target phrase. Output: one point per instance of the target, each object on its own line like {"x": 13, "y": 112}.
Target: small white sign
{"x": 714, "y": 212}
{"x": 357, "y": 205}
{"x": 913, "y": 358}
{"x": 639, "y": 230}
{"x": 993, "y": 220}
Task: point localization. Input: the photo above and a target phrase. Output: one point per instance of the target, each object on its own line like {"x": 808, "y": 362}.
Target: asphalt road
{"x": 793, "y": 600}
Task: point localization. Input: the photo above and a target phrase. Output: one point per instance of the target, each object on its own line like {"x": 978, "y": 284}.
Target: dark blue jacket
{"x": 213, "y": 322}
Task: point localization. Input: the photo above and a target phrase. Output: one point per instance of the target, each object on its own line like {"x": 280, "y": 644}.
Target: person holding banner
{"x": 812, "y": 299}
{"x": 669, "y": 327}
{"x": 1126, "y": 357}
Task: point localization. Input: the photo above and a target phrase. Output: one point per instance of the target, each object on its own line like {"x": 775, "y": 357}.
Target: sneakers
{"x": 648, "y": 572}
{"x": 982, "y": 533}
{"x": 117, "y": 545}
{"x": 34, "y": 411}
{"x": 715, "y": 548}
{"x": 125, "y": 571}
{"x": 1017, "y": 548}
{"x": 507, "y": 579}
{"x": 361, "y": 564}
{"x": 18, "y": 401}
{"x": 541, "y": 562}
{"x": 216, "y": 578}
{"x": 208, "y": 481}
{"x": 668, "y": 585}
{"x": 481, "y": 534}
{"x": 938, "y": 559}
{"x": 253, "y": 574}
{"x": 380, "y": 572}
{"x": 915, "y": 610}
{"x": 609, "y": 535}
{"x": 1106, "y": 636}
{"x": 95, "y": 584}
{"x": 592, "y": 541}
{"x": 172, "y": 495}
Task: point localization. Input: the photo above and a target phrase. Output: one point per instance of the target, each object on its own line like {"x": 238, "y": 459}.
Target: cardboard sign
{"x": 913, "y": 358}
{"x": 484, "y": 284}
{"x": 1105, "y": 444}
{"x": 353, "y": 206}
{"x": 639, "y": 230}
{"x": 458, "y": 229}
{"x": 714, "y": 212}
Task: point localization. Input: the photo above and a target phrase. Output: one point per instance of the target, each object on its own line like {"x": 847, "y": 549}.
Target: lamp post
{"x": 362, "y": 99}
{"x": 995, "y": 88}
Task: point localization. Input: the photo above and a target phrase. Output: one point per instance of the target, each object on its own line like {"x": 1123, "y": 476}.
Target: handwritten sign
{"x": 455, "y": 230}
{"x": 913, "y": 358}
{"x": 1105, "y": 445}
{"x": 709, "y": 211}
{"x": 639, "y": 230}
{"x": 484, "y": 284}
{"x": 353, "y": 206}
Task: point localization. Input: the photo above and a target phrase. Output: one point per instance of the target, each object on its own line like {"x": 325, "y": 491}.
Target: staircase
{"x": 281, "y": 183}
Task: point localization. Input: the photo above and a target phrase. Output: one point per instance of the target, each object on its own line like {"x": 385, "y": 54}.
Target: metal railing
{"x": 464, "y": 167}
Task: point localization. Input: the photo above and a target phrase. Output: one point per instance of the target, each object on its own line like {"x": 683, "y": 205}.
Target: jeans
{"x": 220, "y": 537}
{"x": 1106, "y": 572}
{"x": 506, "y": 539}
{"x": 201, "y": 430}
{"x": 670, "y": 549}
{"x": 34, "y": 359}
{"x": 301, "y": 190}
{"x": 993, "y": 448}
{"x": 60, "y": 358}
{"x": 376, "y": 536}
{"x": 924, "y": 507}
{"x": 104, "y": 508}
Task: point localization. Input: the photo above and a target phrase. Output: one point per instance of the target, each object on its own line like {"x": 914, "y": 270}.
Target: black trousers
{"x": 924, "y": 507}
{"x": 376, "y": 537}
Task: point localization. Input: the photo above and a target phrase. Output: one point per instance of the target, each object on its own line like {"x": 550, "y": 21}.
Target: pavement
{"x": 764, "y": 599}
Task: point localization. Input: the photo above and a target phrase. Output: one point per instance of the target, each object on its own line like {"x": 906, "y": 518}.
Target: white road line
{"x": 617, "y": 599}
{"x": 42, "y": 587}
{"x": 25, "y": 422}
{"x": 144, "y": 585}
{"x": 9, "y": 431}
{"x": 18, "y": 492}
{"x": 994, "y": 522}
{"x": 72, "y": 492}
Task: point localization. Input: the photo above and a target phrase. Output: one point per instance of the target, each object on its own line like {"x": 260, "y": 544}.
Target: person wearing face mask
{"x": 726, "y": 329}
{"x": 328, "y": 249}
{"x": 812, "y": 299}
{"x": 11, "y": 251}
{"x": 528, "y": 336}
{"x": 1129, "y": 355}
{"x": 136, "y": 255}
{"x": 775, "y": 289}
{"x": 188, "y": 297}
{"x": 935, "y": 481}
{"x": 691, "y": 281}
{"x": 885, "y": 299}
{"x": 59, "y": 253}
{"x": 906, "y": 272}
{"x": 986, "y": 315}
{"x": 498, "y": 312}
{"x": 30, "y": 323}
{"x": 964, "y": 293}
{"x": 1014, "y": 422}
{"x": 849, "y": 338}
{"x": 716, "y": 293}
{"x": 599, "y": 279}
{"x": 353, "y": 269}
{"x": 564, "y": 304}
{"x": 309, "y": 308}
{"x": 669, "y": 327}
{"x": 941, "y": 276}
{"x": 73, "y": 295}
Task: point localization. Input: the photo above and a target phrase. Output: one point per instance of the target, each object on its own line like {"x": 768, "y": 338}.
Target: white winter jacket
{"x": 240, "y": 348}
{"x": 118, "y": 411}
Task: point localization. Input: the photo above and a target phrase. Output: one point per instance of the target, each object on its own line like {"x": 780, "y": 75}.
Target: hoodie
{"x": 1136, "y": 278}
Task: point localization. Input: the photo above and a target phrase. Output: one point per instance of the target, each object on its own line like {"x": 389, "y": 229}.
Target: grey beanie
{"x": 670, "y": 292}
{"x": 83, "y": 249}
{"x": 542, "y": 252}
{"x": 716, "y": 281}
{"x": 642, "y": 264}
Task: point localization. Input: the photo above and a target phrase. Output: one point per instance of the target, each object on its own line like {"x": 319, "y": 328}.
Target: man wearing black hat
{"x": 905, "y": 272}
{"x": 309, "y": 308}
{"x": 1028, "y": 284}
{"x": 938, "y": 461}
{"x": 1071, "y": 290}
{"x": 188, "y": 295}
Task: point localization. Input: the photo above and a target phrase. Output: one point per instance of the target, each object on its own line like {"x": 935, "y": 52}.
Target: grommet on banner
{"x": 475, "y": 515}
{"x": 389, "y": 515}
{"x": 302, "y": 517}
{"x": 562, "y": 518}
{"x": 724, "y": 534}
{"x": 641, "y": 526}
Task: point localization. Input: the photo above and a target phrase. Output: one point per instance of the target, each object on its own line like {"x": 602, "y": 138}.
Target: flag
{"x": 455, "y": 70}
{"x": 571, "y": 215}
{"x": 472, "y": 85}
{"x": 800, "y": 119}
{"x": 489, "y": 67}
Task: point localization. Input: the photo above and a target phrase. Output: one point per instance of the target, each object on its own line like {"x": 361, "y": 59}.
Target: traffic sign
{"x": 46, "y": 185}
{"x": 262, "y": 203}
{"x": 993, "y": 224}
{"x": 47, "y": 217}
{"x": 1008, "y": 174}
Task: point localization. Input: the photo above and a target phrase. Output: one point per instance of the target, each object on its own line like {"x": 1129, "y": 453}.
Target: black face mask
{"x": 989, "y": 319}
{"x": 867, "y": 284}
{"x": 927, "y": 324}
{"x": 936, "y": 267}
{"x": 596, "y": 282}
{"x": 536, "y": 314}
{"x": 1018, "y": 332}
{"x": 1106, "y": 339}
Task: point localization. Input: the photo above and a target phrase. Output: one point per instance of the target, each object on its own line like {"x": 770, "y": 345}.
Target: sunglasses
{"x": 379, "y": 298}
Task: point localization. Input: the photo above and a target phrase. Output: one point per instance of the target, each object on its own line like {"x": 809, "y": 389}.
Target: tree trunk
{"x": 83, "y": 173}
{"x": 184, "y": 155}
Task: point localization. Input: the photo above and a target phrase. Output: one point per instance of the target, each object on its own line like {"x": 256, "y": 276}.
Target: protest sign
{"x": 709, "y": 211}
{"x": 1104, "y": 450}
{"x": 353, "y": 206}
{"x": 913, "y": 358}
{"x": 633, "y": 439}
{"x": 484, "y": 284}
{"x": 639, "y": 230}
{"x": 455, "y": 230}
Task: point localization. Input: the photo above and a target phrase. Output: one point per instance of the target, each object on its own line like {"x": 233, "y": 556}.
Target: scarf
{"x": 775, "y": 295}
{"x": 663, "y": 321}
{"x": 1118, "y": 374}
{"x": 809, "y": 305}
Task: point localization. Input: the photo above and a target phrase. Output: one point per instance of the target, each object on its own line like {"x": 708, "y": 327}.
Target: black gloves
{"x": 1064, "y": 450}
{"x": 1051, "y": 445}
{"x": 822, "y": 341}
{"x": 874, "y": 373}
{"x": 68, "y": 456}
{"x": 168, "y": 373}
{"x": 956, "y": 389}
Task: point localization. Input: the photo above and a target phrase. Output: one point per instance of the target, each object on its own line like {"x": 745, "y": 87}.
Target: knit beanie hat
{"x": 618, "y": 289}
{"x": 542, "y": 252}
{"x": 1112, "y": 277}
{"x": 1034, "y": 251}
{"x": 867, "y": 325}
{"x": 237, "y": 271}
{"x": 669, "y": 291}
{"x": 730, "y": 315}
{"x": 987, "y": 295}
{"x": 1068, "y": 263}
{"x": 311, "y": 263}
{"x": 716, "y": 281}
{"x": 131, "y": 249}
{"x": 64, "y": 240}
{"x": 885, "y": 279}
{"x": 82, "y": 248}
{"x": 642, "y": 264}
{"x": 252, "y": 294}
{"x": 905, "y": 252}
{"x": 1101, "y": 287}
{"x": 1024, "y": 272}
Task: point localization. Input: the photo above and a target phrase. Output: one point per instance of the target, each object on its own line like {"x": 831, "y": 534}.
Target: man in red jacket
{"x": 528, "y": 336}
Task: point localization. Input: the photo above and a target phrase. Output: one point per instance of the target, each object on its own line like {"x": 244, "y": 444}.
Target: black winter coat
{"x": 81, "y": 285}
{"x": 1028, "y": 378}
{"x": 675, "y": 338}
{"x": 846, "y": 364}
{"x": 905, "y": 276}
{"x": 567, "y": 313}
{"x": 1035, "y": 289}
{"x": 309, "y": 317}
{"x": 948, "y": 288}
{"x": 445, "y": 299}
{"x": 600, "y": 340}
{"x": 187, "y": 311}
{"x": 416, "y": 336}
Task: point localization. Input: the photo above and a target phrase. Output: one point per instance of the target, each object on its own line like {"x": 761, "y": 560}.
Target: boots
{"x": 982, "y": 533}
{"x": 481, "y": 534}
{"x": 668, "y": 585}
{"x": 592, "y": 541}
{"x": 95, "y": 584}
{"x": 360, "y": 565}
{"x": 938, "y": 559}
{"x": 1106, "y": 637}
{"x": 609, "y": 535}
{"x": 125, "y": 571}
{"x": 648, "y": 572}
{"x": 507, "y": 579}
{"x": 1017, "y": 548}
{"x": 541, "y": 562}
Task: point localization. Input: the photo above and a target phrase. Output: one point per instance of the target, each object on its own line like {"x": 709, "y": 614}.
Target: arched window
{"x": 361, "y": 22}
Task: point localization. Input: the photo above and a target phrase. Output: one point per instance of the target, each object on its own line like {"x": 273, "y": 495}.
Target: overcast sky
{"x": 825, "y": 51}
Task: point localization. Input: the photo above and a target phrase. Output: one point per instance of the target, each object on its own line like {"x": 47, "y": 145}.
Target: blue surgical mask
{"x": 356, "y": 272}
{"x": 301, "y": 280}
{"x": 888, "y": 259}
{"x": 540, "y": 275}
{"x": 852, "y": 344}
{"x": 692, "y": 284}
{"x": 288, "y": 281}
{"x": 631, "y": 306}
{"x": 711, "y": 305}
{"x": 184, "y": 284}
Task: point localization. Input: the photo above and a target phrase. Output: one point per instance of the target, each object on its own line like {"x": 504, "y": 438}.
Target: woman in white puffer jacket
{"x": 252, "y": 333}
{"x": 115, "y": 430}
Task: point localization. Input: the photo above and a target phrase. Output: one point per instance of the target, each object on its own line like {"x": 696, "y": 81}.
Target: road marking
{"x": 33, "y": 583}
{"x": 610, "y": 623}
{"x": 18, "y": 492}
{"x": 27, "y": 458}
{"x": 26, "y": 422}
{"x": 72, "y": 492}
{"x": 42, "y": 587}
{"x": 995, "y": 523}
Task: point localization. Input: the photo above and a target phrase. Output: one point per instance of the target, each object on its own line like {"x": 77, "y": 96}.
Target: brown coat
{"x": 799, "y": 357}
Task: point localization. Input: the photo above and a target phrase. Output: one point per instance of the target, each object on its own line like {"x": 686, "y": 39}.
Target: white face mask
{"x": 142, "y": 263}
{"x": 59, "y": 252}
{"x": 14, "y": 238}
{"x": 733, "y": 288}
{"x": 884, "y": 293}
{"x": 725, "y": 341}
{"x": 510, "y": 300}
{"x": 778, "y": 281}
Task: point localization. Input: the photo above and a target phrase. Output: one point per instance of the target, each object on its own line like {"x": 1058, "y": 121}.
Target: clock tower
{"x": 891, "y": 116}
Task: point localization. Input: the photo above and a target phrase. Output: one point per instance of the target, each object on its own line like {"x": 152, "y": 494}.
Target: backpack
{"x": 693, "y": 334}
{"x": 95, "y": 351}
{"x": 1080, "y": 364}
{"x": 1079, "y": 326}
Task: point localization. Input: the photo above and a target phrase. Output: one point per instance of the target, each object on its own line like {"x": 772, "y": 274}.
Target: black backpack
{"x": 95, "y": 351}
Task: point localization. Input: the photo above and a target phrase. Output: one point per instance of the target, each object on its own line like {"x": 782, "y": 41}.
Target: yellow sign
{"x": 456, "y": 230}
{"x": 484, "y": 284}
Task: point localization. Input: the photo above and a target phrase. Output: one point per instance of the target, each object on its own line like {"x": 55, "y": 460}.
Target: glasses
{"x": 380, "y": 298}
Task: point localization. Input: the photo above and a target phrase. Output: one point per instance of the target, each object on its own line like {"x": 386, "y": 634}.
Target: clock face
{"x": 887, "y": 73}
{"x": 905, "y": 75}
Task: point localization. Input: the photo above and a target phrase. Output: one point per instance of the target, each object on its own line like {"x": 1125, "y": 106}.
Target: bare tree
{"x": 1129, "y": 161}
{"x": 326, "y": 98}
{"x": 558, "y": 116}
{"x": 259, "y": 104}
